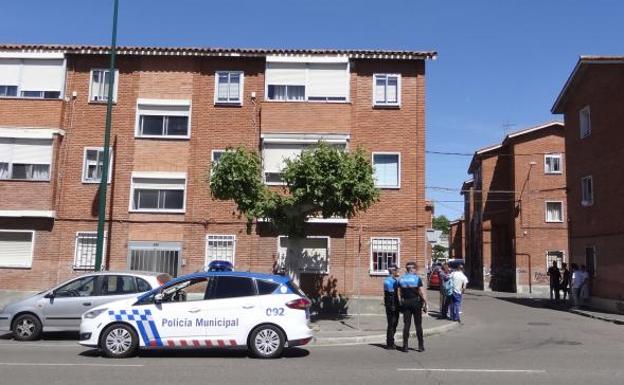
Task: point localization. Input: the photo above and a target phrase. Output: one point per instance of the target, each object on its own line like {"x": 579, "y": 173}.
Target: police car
{"x": 208, "y": 309}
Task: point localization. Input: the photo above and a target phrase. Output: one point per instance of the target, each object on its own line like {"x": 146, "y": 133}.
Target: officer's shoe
{"x": 404, "y": 349}
{"x": 421, "y": 348}
{"x": 391, "y": 347}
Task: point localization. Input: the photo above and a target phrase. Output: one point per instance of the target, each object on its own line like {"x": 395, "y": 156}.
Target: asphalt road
{"x": 502, "y": 341}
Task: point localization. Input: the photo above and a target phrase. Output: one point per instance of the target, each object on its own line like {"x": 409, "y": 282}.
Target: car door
{"x": 178, "y": 319}
{"x": 233, "y": 309}
{"x": 62, "y": 310}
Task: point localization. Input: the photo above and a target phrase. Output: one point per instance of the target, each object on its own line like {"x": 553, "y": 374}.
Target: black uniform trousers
{"x": 412, "y": 308}
{"x": 392, "y": 315}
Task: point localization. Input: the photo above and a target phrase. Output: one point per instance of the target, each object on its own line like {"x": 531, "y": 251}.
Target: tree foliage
{"x": 439, "y": 252}
{"x": 323, "y": 181}
{"x": 442, "y": 223}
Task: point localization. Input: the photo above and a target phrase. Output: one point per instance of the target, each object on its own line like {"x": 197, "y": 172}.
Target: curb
{"x": 598, "y": 317}
{"x": 377, "y": 338}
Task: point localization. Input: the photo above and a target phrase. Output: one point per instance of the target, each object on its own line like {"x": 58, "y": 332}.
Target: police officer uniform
{"x": 412, "y": 304}
{"x": 391, "y": 302}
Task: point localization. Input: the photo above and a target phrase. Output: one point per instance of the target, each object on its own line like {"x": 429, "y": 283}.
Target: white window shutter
{"x": 16, "y": 249}
{"x": 328, "y": 80}
{"x": 42, "y": 75}
{"x": 286, "y": 73}
{"x": 275, "y": 155}
{"x": 32, "y": 151}
{"x": 6, "y": 150}
{"x": 158, "y": 184}
{"x": 9, "y": 72}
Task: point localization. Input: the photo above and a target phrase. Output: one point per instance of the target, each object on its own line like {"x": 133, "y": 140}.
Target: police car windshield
{"x": 174, "y": 288}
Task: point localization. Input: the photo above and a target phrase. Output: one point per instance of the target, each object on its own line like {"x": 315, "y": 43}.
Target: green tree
{"x": 439, "y": 251}
{"x": 323, "y": 181}
{"x": 441, "y": 223}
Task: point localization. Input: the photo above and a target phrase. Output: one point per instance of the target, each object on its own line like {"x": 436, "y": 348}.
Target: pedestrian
{"x": 460, "y": 281}
{"x": 163, "y": 278}
{"x": 391, "y": 303}
{"x": 414, "y": 303}
{"x": 578, "y": 279}
{"x": 446, "y": 290}
{"x": 555, "y": 278}
{"x": 584, "y": 292}
{"x": 566, "y": 278}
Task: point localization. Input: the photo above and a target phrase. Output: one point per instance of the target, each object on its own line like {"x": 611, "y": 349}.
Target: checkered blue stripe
{"x": 144, "y": 321}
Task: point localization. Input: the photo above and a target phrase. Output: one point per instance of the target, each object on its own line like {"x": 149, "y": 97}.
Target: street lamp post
{"x": 99, "y": 248}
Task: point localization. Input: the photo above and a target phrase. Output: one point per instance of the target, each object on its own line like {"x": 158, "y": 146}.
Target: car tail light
{"x": 299, "y": 303}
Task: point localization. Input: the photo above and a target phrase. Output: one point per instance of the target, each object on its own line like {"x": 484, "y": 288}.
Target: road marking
{"x": 457, "y": 370}
{"x": 64, "y": 364}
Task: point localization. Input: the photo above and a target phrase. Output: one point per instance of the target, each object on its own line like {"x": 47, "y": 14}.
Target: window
{"x": 82, "y": 287}
{"x": 195, "y": 289}
{"x": 384, "y": 252}
{"x": 229, "y": 87}
{"x": 142, "y": 285}
{"x": 25, "y": 159}
{"x": 16, "y": 248}
{"x": 307, "y": 81}
{"x": 307, "y": 255}
{"x": 42, "y": 78}
{"x": 161, "y": 257}
{"x": 584, "y": 122}
{"x": 84, "y": 255}
{"x": 92, "y": 165}
{"x": 387, "y": 89}
{"x": 231, "y": 287}
{"x": 266, "y": 287}
{"x": 275, "y": 155}
{"x": 387, "y": 169}
{"x": 164, "y": 119}
{"x": 98, "y": 87}
{"x": 554, "y": 211}
{"x": 587, "y": 190}
{"x": 156, "y": 194}
{"x": 216, "y": 155}
{"x": 590, "y": 260}
{"x": 552, "y": 164}
{"x": 553, "y": 256}
{"x": 220, "y": 247}
{"x": 117, "y": 285}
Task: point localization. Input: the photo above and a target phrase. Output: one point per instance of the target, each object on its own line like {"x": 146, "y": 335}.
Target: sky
{"x": 500, "y": 65}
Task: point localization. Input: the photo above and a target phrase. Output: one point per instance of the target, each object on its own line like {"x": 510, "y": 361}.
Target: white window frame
{"x": 587, "y": 132}
{"x": 232, "y": 238}
{"x": 370, "y": 255}
{"x": 546, "y": 212}
{"x": 32, "y": 249}
{"x": 553, "y": 156}
{"x": 34, "y": 56}
{"x": 549, "y": 262}
{"x": 75, "y": 265}
{"x": 212, "y": 158}
{"x": 157, "y": 175}
{"x": 115, "y": 85}
{"x": 12, "y": 162}
{"x": 84, "y": 165}
{"x": 399, "y": 87}
{"x": 164, "y": 103}
{"x": 398, "y": 185}
{"x": 587, "y": 202}
{"x": 328, "y": 238}
{"x": 241, "y": 89}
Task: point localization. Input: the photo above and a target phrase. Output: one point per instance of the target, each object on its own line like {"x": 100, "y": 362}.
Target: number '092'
{"x": 275, "y": 311}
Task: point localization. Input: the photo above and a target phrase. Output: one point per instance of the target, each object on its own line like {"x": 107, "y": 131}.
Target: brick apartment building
{"x": 457, "y": 239}
{"x": 176, "y": 110}
{"x": 591, "y": 103}
{"x": 515, "y": 211}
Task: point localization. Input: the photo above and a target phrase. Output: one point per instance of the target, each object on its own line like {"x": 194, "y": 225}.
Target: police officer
{"x": 414, "y": 303}
{"x": 391, "y": 302}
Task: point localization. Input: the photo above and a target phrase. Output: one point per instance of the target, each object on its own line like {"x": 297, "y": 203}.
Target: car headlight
{"x": 93, "y": 313}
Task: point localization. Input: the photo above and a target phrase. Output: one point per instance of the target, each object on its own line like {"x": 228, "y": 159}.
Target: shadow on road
{"x": 50, "y": 336}
{"x": 540, "y": 303}
{"x": 201, "y": 353}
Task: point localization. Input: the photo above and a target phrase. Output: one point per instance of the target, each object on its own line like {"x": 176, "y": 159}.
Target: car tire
{"x": 27, "y": 327}
{"x": 119, "y": 341}
{"x": 267, "y": 341}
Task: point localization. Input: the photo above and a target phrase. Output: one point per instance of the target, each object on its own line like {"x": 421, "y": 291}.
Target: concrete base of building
{"x": 606, "y": 304}
{"x": 533, "y": 290}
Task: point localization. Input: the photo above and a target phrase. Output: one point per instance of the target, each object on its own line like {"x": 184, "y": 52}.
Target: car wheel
{"x": 27, "y": 327}
{"x": 119, "y": 341}
{"x": 267, "y": 341}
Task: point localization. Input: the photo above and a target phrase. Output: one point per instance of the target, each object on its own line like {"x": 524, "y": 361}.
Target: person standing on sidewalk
{"x": 460, "y": 281}
{"x": 391, "y": 303}
{"x": 414, "y": 303}
{"x": 555, "y": 278}
{"x": 566, "y": 278}
{"x": 578, "y": 280}
{"x": 446, "y": 290}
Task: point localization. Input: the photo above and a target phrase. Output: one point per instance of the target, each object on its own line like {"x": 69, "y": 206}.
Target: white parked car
{"x": 60, "y": 308}
{"x": 209, "y": 309}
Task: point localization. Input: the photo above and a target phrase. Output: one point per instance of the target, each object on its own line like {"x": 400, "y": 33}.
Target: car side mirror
{"x": 158, "y": 298}
{"x": 49, "y": 294}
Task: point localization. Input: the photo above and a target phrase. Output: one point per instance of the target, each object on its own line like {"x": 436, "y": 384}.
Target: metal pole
{"x": 109, "y": 110}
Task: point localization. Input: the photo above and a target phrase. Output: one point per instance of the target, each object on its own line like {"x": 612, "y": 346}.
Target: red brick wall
{"x": 600, "y": 155}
